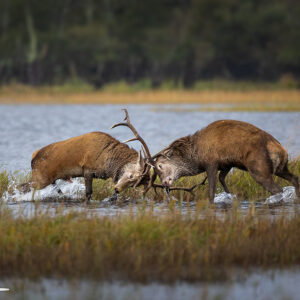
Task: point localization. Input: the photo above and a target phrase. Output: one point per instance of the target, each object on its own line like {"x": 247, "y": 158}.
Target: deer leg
{"x": 263, "y": 176}
{"x": 212, "y": 182}
{"x": 293, "y": 179}
{"x": 39, "y": 180}
{"x": 222, "y": 175}
{"x": 57, "y": 187}
{"x": 39, "y": 185}
{"x": 88, "y": 180}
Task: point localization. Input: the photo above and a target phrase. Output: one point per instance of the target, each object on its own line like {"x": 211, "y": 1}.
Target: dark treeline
{"x": 51, "y": 41}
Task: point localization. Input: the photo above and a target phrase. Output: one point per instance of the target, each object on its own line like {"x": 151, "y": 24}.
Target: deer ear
{"x": 168, "y": 153}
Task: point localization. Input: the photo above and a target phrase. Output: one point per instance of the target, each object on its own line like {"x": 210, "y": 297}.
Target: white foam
{"x": 224, "y": 198}
{"x": 74, "y": 190}
{"x": 288, "y": 195}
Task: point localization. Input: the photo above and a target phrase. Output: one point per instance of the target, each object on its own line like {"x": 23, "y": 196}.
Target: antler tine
{"x": 137, "y": 136}
{"x": 127, "y": 119}
{"x": 189, "y": 190}
{"x": 130, "y": 140}
{"x": 126, "y": 115}
{"x": 118, "y": 124}
{"x": 144, "y": 151}
{"x": 150, "y": 184}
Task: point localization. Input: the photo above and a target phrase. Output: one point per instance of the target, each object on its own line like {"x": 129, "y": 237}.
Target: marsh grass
{"x": 143, "y": 246}
{"x": 4, "y": 180}
{"x": 267, "y": 99}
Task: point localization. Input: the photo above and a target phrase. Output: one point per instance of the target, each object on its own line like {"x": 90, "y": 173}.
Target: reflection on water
{"x": 276, "y": 284}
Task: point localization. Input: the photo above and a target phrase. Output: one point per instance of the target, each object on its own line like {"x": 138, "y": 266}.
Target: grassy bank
{"x": 144, "y": 247}
{"x": 264, "y": 99}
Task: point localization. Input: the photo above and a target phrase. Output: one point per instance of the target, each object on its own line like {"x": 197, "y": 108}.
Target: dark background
{"x": 52, "y": 41}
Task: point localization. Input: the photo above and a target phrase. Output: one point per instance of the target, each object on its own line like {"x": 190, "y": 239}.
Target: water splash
{"x": 224, "y": 198}
{"x": 288, "y": 195}
{"x": 74, "y": 190}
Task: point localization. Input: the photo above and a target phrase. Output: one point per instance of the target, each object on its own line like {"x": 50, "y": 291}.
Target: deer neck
{"x": 117, "y": 163}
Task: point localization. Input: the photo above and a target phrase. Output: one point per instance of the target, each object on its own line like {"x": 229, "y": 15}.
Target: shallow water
{"x": 274, "y": 284}
{"x": 51, "y": 202}
{"x": 26, "y": 128}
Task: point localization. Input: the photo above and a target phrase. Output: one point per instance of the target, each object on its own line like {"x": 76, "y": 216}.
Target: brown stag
{"x": 221, "y": 146}
{"x": 91, "y": 155}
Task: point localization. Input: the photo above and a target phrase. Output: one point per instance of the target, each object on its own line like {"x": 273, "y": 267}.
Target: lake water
{"x": 26, "y": 128}
{"x": 259, "y": 285}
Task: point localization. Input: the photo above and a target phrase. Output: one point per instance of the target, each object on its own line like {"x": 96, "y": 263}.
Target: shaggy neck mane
{"x": 185, "y": 154}
{"x": 184, "y": 147}
{"x": 120, "y": 155}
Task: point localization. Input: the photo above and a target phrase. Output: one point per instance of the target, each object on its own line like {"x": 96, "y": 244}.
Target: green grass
{"x": 4, "y": 180}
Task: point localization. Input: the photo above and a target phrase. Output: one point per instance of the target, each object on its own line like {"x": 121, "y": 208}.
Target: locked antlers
{"x": 149, "y": 162}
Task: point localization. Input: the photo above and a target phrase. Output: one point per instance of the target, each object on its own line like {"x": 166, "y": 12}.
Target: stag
{"x": 149, "y": 163}
{"x": 221, "y": 146}
{"x": 91, "y": 155}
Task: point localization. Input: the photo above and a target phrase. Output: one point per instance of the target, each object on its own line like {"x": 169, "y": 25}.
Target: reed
{"x": 143, "y": 246}
{"x": 240, "y": 100}
{"x": 4, "y": 181}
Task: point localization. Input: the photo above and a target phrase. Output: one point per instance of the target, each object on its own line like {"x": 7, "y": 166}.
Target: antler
{"x": 168, "y": 189}
{"x": 148, "y": 159}
{"x": 137, "y": 136}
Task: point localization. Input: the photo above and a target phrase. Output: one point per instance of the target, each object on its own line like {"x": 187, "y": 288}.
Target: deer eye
{"x": 131, "y": 176}
{"x": 160, "y": 166}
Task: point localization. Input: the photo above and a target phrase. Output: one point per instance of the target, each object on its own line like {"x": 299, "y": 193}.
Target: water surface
{"x": 26, "y": 128}
{"x": 272, "y": 284}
